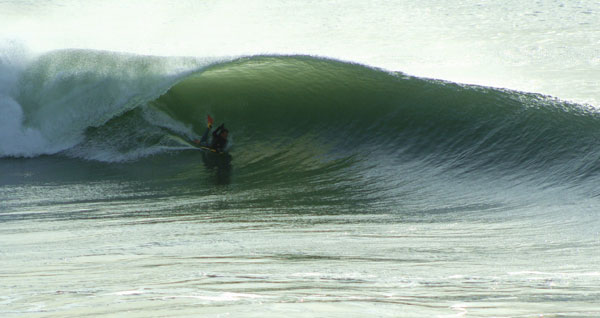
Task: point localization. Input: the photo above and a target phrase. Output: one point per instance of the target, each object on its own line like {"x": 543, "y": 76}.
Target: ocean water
{"x": 386, "y": 159}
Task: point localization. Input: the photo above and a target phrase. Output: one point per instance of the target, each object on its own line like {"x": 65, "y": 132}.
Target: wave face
{"x": 298, "y": 116}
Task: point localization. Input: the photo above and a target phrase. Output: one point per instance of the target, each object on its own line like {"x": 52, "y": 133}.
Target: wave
{"x": 298, "y": 113}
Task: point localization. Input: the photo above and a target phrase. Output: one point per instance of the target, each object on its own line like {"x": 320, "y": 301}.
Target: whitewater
{"x": 386, "y": 159}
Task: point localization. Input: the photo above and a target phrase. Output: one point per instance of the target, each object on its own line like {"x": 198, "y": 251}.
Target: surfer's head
{"x": 224, "y": 133}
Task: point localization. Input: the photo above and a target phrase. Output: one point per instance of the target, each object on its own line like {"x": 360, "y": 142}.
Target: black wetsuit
{"x": 218, "y": 143}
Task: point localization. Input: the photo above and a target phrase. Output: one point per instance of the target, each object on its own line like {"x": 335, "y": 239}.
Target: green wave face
{"x": 334, "y": 109}
{"x": 283, "y": 97}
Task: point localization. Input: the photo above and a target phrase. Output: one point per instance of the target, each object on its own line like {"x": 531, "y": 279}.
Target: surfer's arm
{"x": 204, "y": 138}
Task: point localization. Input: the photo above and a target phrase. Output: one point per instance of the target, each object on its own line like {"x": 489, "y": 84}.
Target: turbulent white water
{"x": 550, "y": 47}
{"x": 48, "y": 101}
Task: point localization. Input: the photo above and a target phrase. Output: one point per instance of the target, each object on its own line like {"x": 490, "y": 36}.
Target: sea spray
{"x": 57, "y": 96}
{"x": 15, "y": 138}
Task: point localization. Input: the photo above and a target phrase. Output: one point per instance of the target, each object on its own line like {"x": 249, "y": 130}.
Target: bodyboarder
{"x": 219, "y": 137}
